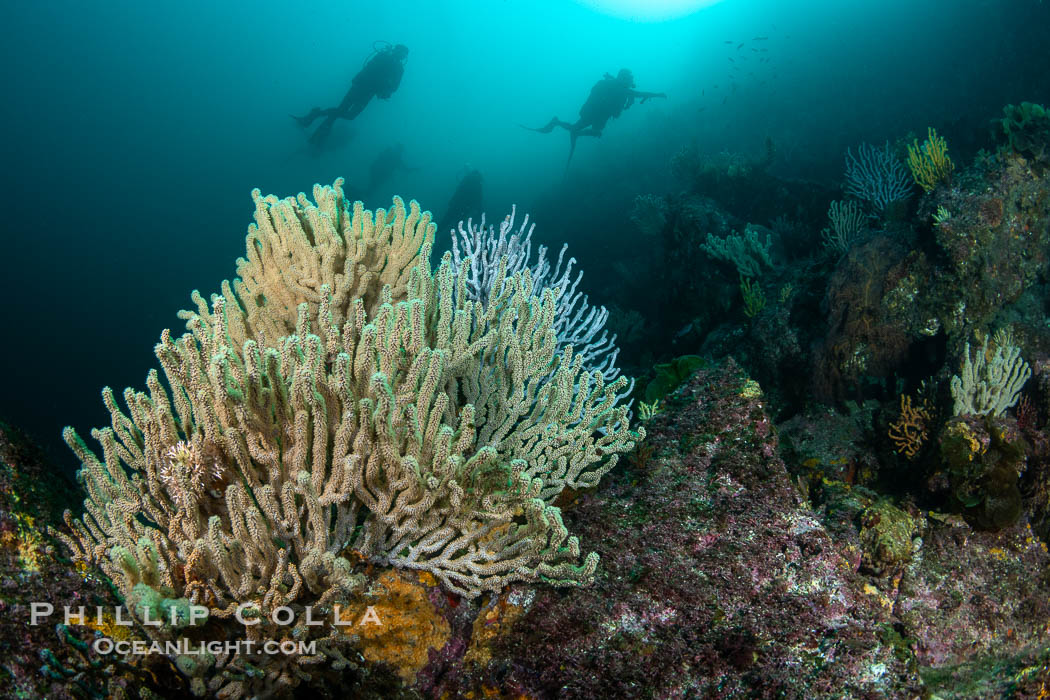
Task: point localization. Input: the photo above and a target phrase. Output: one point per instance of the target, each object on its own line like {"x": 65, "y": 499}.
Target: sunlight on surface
{"x": 648, "y": 10}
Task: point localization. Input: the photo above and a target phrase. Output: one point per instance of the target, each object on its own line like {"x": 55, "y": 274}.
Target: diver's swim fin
{"x": 307, "y": 119}
{"x": 321, "y": 135}
{"x": 549, "y": 127}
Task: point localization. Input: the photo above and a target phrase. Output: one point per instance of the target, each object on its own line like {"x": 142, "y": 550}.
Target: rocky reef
{"x": 725, "y": 572}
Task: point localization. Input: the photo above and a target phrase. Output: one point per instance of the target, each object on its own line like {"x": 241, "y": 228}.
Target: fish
{"x": 739, "y": 47}
{"x": 701, "y": 109}
{"x": 730, "y": 41}
{"x": 724, "y": 99}
{"x": 731, "y": 59}
{"x": 702, "y": 93}
{"x": 760, "y": 38}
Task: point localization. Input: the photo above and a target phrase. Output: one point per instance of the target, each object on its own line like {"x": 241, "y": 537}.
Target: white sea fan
{"x": 576, "y": 323}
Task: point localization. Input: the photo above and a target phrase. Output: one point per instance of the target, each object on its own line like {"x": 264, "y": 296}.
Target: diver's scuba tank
{"x": 379, "y": 46}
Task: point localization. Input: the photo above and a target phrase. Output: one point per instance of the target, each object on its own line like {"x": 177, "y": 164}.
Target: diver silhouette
{"x": 380, "y": 77}
{"x": 389, "y": 161}
{"x": 465, "y": 202}
{"x": 608, "y": 99}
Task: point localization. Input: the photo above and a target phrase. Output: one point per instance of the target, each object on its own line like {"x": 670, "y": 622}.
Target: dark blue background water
{"x": 132, "y": 134}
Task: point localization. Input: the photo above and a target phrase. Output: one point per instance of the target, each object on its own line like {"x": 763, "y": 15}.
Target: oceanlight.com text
{"x": 183, "y": 647}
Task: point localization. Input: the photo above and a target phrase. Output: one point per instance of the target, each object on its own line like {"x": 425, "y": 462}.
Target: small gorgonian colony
{"x": 341, "y": 396}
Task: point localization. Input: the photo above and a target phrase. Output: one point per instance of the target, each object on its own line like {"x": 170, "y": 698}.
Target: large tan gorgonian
{"x": 341, "y": 395}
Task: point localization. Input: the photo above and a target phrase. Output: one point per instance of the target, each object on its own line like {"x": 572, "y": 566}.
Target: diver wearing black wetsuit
{"x": 380, "y": 78}
{"x": 608, "y": 99}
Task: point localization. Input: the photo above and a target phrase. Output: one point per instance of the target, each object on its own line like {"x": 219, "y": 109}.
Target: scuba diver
{"x": 389, "y": 161}
{"x": 465, "y": 202}
{"x": 380, "y": 77}
{"x": 608, "y": 99}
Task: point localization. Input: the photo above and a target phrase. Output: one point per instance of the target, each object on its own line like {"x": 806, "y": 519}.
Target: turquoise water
{"x": 134, "y": 132}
